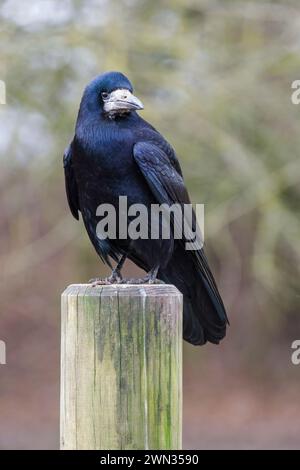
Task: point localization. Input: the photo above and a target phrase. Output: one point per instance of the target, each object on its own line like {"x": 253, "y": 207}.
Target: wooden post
{"x": 121, "y": 367}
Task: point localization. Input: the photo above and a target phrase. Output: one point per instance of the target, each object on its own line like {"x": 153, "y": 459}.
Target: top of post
{"x": 135, "y": 290}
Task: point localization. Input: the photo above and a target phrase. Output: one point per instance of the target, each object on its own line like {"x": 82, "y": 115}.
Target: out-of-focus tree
{"x": 215, "y": 78}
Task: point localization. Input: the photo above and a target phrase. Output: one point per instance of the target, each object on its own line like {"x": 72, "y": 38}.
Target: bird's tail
{"x": 204, "y": 315}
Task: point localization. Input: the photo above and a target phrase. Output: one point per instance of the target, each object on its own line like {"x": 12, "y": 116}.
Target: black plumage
{"x": 115, "y": 152}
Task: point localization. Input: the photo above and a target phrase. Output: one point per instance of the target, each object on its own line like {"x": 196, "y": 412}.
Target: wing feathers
{"x": 70, "y": 182}
{"x": 168, "y": 187}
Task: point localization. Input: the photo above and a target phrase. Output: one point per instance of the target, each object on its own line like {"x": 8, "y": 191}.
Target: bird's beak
{"x": 121, "y": 100}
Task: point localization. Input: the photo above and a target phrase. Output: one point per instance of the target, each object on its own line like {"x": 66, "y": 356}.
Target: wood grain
{"x": 121, "y": 367}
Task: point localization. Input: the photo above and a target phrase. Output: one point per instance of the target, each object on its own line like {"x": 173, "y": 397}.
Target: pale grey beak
{"x": 121, "y": 100}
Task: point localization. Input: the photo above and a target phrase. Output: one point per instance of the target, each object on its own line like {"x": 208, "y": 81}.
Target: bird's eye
{"x": 104, "y": 95}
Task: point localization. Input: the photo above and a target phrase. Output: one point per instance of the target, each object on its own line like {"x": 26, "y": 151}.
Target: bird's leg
{"x": 116, "y": 272}
{"x": 150, "y": 278}
{"x": 152, "y": 275}
{"x": 114, "y": 278}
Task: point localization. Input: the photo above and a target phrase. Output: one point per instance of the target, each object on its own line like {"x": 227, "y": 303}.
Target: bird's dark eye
{"x": 104, "y": 95}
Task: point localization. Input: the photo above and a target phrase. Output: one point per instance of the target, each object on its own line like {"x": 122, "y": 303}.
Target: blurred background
{"x": 215, "y": 78}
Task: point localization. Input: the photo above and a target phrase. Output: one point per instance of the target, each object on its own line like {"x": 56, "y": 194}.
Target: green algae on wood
{"x": 121, "y": 367}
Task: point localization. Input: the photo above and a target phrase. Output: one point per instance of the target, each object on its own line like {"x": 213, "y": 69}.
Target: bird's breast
{"x": 106, "y": 170}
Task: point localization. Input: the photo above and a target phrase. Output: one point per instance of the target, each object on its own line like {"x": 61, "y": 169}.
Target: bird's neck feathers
{"x": 94, "y": 130}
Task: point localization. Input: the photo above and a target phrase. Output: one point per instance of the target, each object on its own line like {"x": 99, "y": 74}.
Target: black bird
{"x": 115, "y": 152}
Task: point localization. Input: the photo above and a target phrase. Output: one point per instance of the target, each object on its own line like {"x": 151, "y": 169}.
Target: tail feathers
{"x": 211, "y": 313}
{"x": 201, "y": 320}
{"x": 192, "y": 330}
{"x": 204, "y": 315}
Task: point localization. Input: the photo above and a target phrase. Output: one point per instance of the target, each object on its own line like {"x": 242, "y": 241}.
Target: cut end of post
{"x": 135, "y": 289}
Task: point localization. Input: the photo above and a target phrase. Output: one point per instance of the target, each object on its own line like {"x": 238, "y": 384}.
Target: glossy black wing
{"x": 70, "y": 182}
{"x": 167, "y": 186}
{"x": 161, "y": 173}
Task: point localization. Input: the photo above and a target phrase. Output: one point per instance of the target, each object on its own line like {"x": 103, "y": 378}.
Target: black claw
{"x": 116, "y": 278}
{"x": 143, "y": 280}
{"x": 106, "y": 281}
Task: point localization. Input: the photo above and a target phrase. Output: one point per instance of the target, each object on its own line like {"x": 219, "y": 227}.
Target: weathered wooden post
{"x": 121, "y": 367}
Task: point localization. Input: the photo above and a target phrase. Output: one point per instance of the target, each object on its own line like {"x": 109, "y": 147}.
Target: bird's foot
{"x": 142, "y": 280}
{"x": 114, "y": 278}
{"x": 150, "y": 278}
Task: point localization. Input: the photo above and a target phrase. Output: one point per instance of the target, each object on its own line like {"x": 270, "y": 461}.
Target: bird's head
{"x": 112, "y": 94}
